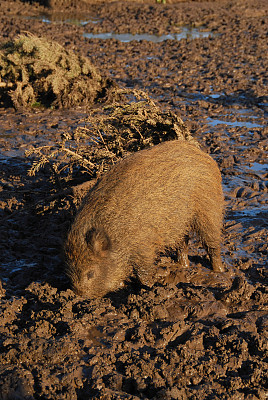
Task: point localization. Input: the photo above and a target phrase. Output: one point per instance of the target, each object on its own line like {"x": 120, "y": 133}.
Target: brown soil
{"x": 196, "y": 334}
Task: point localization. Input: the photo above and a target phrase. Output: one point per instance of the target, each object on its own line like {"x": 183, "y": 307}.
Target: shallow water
{"x": 186, "y": 32}
{"x": 17, "y": 265}
{"x": 258, "y": 167}
{"x": 67, "y": 18}
{"x": 128, "y": 37}
{"x": 249, "y": 125}
{"x": 253, "y": 212}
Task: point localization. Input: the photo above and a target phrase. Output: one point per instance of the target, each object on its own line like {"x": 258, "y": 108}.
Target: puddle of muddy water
{"x": 65, "y": 18}
{"x": 216, "y": 95}
{"x": 128, "y": 37}
{"x": 254, "y": 212}
{"x": 186, "y": 32}
{"x": 249, "y": 125}
{"x": 16, "y": 266}
{"x": 258, "y": 167}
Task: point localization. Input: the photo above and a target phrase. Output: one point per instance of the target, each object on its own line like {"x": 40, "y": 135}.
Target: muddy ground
{"x": 201, "y": 334}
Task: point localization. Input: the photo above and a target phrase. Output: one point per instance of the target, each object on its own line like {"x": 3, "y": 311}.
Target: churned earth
{"x": 197, "y": 334}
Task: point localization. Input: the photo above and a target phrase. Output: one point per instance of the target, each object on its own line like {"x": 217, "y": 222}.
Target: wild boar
{"x": 150, "y": 201}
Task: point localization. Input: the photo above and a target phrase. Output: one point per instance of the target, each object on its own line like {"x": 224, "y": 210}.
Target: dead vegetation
{"x": 38, "y": 72}
{"x": 108, "y": 135}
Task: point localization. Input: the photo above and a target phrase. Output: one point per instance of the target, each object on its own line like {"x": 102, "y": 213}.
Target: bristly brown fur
{"x": 145, "y": 203}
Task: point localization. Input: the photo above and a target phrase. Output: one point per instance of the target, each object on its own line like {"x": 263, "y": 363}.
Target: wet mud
{"x": 195, "y": 333}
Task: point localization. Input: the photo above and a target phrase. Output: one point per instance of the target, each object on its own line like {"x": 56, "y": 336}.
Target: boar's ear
{"x": 98, "y": 241}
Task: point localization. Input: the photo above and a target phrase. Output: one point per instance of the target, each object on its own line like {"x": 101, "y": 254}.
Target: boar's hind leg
{"x": 210, "y": 234}
{"x": 215, "y": 259}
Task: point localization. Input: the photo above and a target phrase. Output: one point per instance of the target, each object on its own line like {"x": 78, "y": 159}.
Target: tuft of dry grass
{"x": 35, "y": 71}
{"x": 109, "y": 134}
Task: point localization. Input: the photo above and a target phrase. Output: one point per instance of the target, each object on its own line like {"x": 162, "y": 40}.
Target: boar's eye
{"x": 90, "y": 275}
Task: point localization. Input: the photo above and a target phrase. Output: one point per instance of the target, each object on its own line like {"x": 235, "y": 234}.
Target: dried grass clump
{"x": 110, "y": 134}
{"x": 35, "y": 71}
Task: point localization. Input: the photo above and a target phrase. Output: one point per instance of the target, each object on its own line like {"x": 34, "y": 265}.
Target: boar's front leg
{"x": 145, "y": 267}
{"x": 183, "y": 253}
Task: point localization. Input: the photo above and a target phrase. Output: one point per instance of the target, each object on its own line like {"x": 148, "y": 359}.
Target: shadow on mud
{"x": 34, "y": 224}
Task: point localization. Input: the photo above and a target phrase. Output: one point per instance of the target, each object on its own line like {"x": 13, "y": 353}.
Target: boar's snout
{"x": 90, "y": 265}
